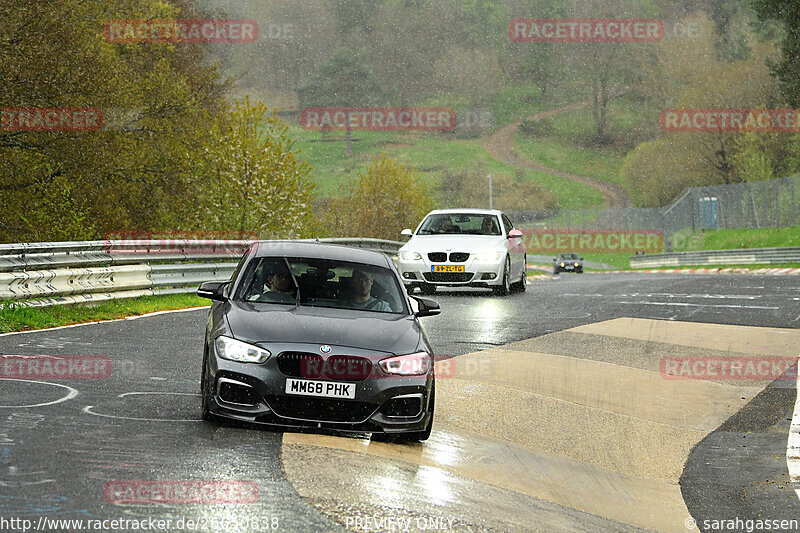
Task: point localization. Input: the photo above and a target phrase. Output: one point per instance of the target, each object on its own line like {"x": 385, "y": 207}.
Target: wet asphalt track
{"x": 58, "y": 452}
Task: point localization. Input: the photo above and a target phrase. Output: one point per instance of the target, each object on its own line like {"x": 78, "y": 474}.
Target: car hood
{"x": 261, "y": 323}
{"x": 456, "y": 243}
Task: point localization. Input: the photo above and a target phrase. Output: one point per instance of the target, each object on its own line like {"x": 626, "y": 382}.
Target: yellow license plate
{"x": 447, "y": 268}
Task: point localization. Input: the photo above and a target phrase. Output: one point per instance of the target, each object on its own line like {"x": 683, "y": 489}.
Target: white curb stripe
{"x": 793, "y": 446}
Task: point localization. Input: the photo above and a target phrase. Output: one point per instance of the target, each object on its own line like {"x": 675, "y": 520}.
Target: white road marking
{"x": 793, "y": 445}
{"x": 88, "y": 410}
{"x": 71, "y": 394}
{"x": 159, "y": 393}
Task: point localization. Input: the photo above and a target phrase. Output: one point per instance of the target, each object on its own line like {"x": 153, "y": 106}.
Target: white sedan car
{"x": 464, "y": 248}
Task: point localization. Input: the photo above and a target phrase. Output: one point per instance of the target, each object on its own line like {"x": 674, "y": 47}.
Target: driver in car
{"x": 279, "y": 279}
{"x": 361, "y": 296}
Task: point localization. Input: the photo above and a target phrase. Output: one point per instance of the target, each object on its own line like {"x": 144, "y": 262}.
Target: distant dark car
{"x": 318, "y": 336}
{"x": 568, "y": 263}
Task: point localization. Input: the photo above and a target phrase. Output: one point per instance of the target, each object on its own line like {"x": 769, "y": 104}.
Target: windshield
{"x": 460, "y": 223}
{"x": 320, "y": 283}
{"x": 569, "y": 256}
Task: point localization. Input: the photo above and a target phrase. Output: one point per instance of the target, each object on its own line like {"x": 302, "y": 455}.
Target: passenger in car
{"x": 361, "y": 294}
{"x": 489, "y": 226}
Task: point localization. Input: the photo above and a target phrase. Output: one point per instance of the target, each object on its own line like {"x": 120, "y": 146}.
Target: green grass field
{"x": 429, "y": 153}
{"x": 731, "y": 239}
{"x": 14, "y": 317}
{"x": 561, "y": 155}
{"x": 432, "y": 153}
{"x": 566, "y": 144}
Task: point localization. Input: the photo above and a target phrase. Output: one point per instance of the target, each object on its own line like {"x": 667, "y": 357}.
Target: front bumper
{"x": 256, "y": 394}
{"x": 477, "y": 273}
{"x": 568, "y": 268}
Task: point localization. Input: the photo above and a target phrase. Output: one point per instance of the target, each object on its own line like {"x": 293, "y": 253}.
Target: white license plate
{"x": 447, "y": 268}
{"x": 324, "y": 389}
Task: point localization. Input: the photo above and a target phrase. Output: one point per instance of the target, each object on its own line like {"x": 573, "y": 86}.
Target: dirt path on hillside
{"x": 501, "y": 146}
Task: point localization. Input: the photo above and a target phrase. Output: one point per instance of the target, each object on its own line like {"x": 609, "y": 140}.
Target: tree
{"x": 603, "y": 68}
{"x": 346, "y": 79}
{"x": 787, "y": 68}
{"x": 250, "y": 179}
{"x": 126, "y": 175}
{"x": 695, "y": 75}
{"x": 385, "y": 198}
{"x": 731, "y": 41}
{"x": 537, "y": 61}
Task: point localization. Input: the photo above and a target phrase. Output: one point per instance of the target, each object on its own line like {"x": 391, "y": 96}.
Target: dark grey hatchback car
{"x": 318, "y": 336}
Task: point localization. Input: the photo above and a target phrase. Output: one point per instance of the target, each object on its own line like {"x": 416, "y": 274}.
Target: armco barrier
{"x": 755, "y": 256}
{"x": 51, "y": 273}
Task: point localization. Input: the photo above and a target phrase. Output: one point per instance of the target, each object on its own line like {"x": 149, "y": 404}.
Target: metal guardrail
{"x": 53, "y": 273}
{"x": 752, "y": 256}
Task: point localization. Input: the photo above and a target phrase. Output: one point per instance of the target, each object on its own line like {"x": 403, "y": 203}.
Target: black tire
{"x": 505, "y": 288}
{"x": 522, "y": 284}
{"x": 427, "y": 289}
{"x": 204, "y": 395}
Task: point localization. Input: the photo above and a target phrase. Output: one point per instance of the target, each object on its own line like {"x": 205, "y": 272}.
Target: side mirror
{"x": 427, "y": 307}
{"x": 212, "y": 290}
{"x": 515, "y": 234}
{"x": 406, "y": 233}
{"x": 580, "y": 259}
{"x": 555, "y": 259}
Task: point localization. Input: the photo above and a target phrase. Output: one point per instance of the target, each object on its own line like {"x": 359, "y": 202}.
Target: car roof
{"x": 316, "y": 250}
{"x": 468, "y": 211}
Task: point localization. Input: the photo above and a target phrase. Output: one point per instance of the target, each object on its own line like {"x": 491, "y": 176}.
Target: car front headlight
{"x": 415, "y": 364}
{"x": 489, "y": 257}
{"x": 562, "y": 264}
{"x": 234, "y": 350}
{"x": 410, "y": 256}
{"x": 576, "y": 264}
